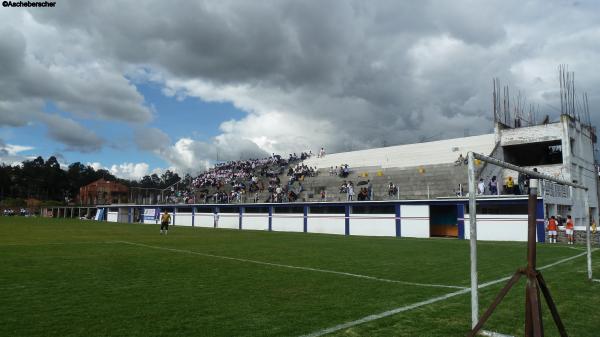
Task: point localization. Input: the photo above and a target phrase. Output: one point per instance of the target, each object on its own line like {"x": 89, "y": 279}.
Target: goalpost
{"x": 533, "y": 324}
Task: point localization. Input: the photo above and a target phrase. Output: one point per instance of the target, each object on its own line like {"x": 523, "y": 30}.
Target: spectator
{"x": 392, "y": 189}
{"x": 369, "y": 190}
{"x": 481, "y": 187}
{"x": 344, "y": 171}
{"x": 344, "y": 187}
{"x": 321, "y": 153}
{"x": 350, "y": 193}
{"x": 461, "y": 160}
{"x": 493, "y": 186}
{"x": 363, "y": 194}
{"x": 323, "y": 196}
{"x": 459, "y": 192}
{"x": 510, "y": 185}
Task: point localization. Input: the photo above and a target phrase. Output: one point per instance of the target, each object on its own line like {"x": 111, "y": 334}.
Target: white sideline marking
{"x": 13, "y": 287}
{"x": 487, "y": 333}
{"x": 423, "y": 303}
{"x": 56, "y": 243}
{"x": 385, "y": 314}
{"x": 294, "y": 267}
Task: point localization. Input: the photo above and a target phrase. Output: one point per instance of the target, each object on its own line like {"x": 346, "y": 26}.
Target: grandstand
{"x": 428, "y": 176}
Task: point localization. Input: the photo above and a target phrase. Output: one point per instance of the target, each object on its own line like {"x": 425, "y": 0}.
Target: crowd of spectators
{"x": 364, "y": 194}
{"x": 300, "y": 171}
{"x": 179, "y": 196}
{"x": 510, "y": 186}
{"x": 253, "y": 176}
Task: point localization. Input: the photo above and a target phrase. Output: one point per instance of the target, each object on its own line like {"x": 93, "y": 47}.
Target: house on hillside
{"x": 103, "y": 191}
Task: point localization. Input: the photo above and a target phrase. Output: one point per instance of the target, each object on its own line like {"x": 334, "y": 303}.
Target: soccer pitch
{"x": 65, "y": 277}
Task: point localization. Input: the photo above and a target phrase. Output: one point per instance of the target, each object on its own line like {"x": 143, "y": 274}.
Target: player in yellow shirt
{"x": 165, "y": 219}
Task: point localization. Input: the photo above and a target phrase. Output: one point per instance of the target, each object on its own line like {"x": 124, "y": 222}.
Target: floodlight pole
{"x": 473, "y": 240}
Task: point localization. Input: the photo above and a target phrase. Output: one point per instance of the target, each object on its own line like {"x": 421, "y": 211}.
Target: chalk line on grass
{"x": 366, "y": 277}
{"x": 57, "y": 243}
{"x": 13, "y": 287}
{"x": 423, "y": 303}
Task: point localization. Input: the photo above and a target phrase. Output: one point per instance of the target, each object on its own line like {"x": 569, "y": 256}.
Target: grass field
{"x": 84, "y": 278}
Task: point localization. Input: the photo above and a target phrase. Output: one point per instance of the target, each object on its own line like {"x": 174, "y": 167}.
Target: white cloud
{"x": 133, "y": 171}
{"x": 95, "y": 165}
{"x": 12, "y": 149}
{"x": 10, "y": 154}
{"x": 130, "y": 171}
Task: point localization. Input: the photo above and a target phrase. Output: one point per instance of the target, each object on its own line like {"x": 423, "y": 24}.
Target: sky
{"x": 141, "y": 87}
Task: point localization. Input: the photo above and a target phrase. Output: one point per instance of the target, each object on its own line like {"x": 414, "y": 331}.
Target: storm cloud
{"x": 339, "y": 74}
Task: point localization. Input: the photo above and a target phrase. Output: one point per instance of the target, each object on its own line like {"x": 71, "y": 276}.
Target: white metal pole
{"x": 473, "y": 241}
{"x": 587, "y": 233}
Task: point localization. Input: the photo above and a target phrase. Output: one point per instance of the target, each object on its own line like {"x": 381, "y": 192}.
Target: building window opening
{"x": 532, "y": 154}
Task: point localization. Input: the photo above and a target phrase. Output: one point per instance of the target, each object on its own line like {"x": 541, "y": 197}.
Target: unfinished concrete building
{"x": 564, "y": 149}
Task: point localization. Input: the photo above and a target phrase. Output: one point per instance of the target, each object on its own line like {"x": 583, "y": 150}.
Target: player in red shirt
{"x": 569, "y": 230}
{"x": 552, "y": 227}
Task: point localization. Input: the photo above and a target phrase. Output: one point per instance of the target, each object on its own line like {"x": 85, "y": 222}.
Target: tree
{"x": 47, "y": 180}
{"x": 169, "y": 178}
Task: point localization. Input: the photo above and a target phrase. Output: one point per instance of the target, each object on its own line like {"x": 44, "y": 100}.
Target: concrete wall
{"x": 183, "y": 219}
{"x": 415, "y": 221}
{"x": 495, "y": 227}
{"x": 204, "y": 220}
{"x": 229, "y": 220}
{"x": 256, "y": 221}
{"x": 373, "y": 224}
{"x": 289, "y": 222}
{"x": 327, "y": 223}
{"x": 529, "y": 134}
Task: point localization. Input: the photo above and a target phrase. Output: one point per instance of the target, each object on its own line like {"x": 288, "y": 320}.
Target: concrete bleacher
{"x": 409, "y": 155}
{"x": 418, "y": 182}
{"x": 420, "y": 171}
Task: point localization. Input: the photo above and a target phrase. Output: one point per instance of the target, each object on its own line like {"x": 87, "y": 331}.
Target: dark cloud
{"x": 39, "y": 66}
{"x": 151, "y": 139}
{"x": 68, "y": 132}
{"x": 340, "y": 74}
{"x": 3, "y": 150}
